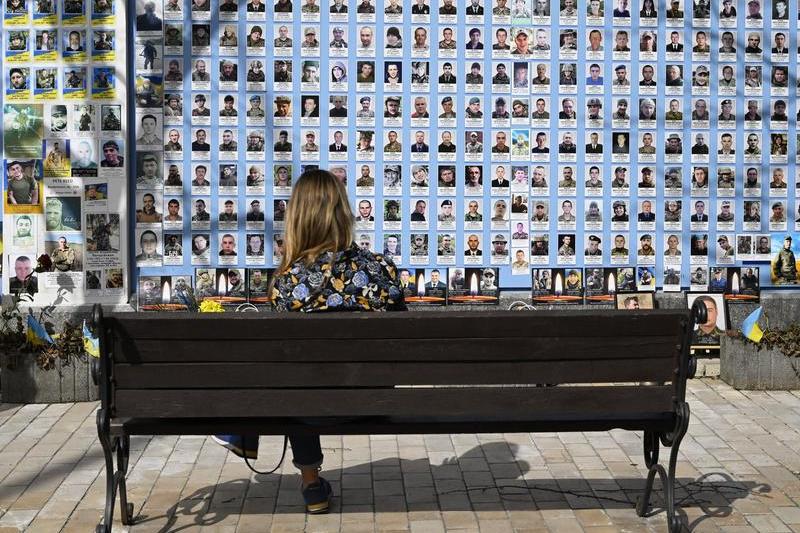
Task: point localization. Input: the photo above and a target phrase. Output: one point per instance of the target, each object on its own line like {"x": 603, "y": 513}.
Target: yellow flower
{"x": 211, "y": 306}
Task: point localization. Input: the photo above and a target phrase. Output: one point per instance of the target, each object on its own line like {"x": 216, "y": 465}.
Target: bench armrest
{"x": 688, "y": 363}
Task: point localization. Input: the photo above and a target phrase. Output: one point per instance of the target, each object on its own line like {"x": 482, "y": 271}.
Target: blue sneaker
{"x": 244, "y": 446}
{"x": 318, "y": 496}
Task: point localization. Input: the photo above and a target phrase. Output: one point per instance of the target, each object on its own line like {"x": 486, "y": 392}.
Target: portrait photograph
{"x": 23, "y": 185}
{"x": 541, "y": 282}
{"x": 636, "y": 300}
{"x": 23, "y": 130}
{"x": 258, "y": 284}
{"x": 149, "y": 291}
{"x": 173, "y": 249}
{"x": 784, "y": 266}
{"x": 626, "y": 279}
{"x": 200, "y": 248}
{"x": 66, "y": 251}
{"x": 707, "y": 335}
{"x": 206, "y": 282}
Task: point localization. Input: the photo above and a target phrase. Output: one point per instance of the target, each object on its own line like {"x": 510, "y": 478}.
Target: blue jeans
{"x": 306, "y": 449}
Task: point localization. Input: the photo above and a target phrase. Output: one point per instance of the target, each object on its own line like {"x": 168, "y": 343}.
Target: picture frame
{"x": 630, "y": 301}
{"x": 707, "y": 336}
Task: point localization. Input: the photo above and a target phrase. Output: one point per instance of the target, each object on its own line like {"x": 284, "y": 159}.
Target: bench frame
{"x": 115, "y": 437}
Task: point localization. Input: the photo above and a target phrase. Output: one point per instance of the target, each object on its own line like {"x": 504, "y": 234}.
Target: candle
{"x": 612, "y": 288}
{"x": 735, "y": 291}
{"x": 557, "y": 296}
{"x": 222, "y": 290}
{"x": 166, "y": 294}
{"x": 165, "y": 298}
{"x": 420, "y": 297}
{"x": 222, "y": 285}
{"x": 473, "y": 296}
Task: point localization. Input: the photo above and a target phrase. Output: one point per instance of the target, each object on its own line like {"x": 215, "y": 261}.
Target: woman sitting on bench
{"x": 322, "y": 269}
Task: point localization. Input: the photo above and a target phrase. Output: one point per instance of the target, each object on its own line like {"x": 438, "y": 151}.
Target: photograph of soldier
{"x": 708, "y": 334}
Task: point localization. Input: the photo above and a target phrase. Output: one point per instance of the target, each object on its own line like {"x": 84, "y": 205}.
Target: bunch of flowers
{"x": 189, "y": 299}
{"x": 211, "y": 306}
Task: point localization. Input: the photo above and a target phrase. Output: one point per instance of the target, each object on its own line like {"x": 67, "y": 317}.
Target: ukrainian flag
{"x": 90, "y": 343}
{"x": 36, "y": 333}
{"x": 750, "y": 327}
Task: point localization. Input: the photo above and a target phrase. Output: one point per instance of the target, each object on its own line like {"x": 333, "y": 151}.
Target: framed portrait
{"x": 708, "y": 335}
{"x": 635, "y": 300}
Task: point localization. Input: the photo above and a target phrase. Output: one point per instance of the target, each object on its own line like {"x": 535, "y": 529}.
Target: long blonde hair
{"x": 318, "y": 219}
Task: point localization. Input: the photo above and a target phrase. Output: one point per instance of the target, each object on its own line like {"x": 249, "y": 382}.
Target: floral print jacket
{"x": 350, "y": 280}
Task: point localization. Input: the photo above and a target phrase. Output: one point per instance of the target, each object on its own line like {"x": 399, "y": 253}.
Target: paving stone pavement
{"x": 738, "y": 471}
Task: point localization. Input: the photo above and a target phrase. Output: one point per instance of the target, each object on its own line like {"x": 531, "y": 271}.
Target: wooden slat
{"x": 378, "y": 426}
{"x": 467, "y": 348}
{"x": 509, "y": 404}
{"x": 336, "y": 374}
{"x": 397, "y": 325}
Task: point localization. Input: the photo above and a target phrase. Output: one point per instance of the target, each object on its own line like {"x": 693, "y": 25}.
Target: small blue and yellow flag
{"x": 90, "y": 343}
{"x": 36, "y": 333}
{"x": 750, "y": 327}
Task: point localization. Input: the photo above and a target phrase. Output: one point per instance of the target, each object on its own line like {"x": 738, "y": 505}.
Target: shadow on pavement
{"x": 453, "y": 489}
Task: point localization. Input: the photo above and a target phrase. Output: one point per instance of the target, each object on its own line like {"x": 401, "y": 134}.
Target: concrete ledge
{"x": 28, "y": 384}
{"x": 743, "y": 366}
{"x": 707, "y": 368}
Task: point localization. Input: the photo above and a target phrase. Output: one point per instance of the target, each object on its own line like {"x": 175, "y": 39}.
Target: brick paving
{"x": 739, "y": 471}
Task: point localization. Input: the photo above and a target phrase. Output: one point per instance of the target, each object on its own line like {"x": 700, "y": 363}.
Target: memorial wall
{"x": 65, "y": 170}
{"x": 490, "y": 137}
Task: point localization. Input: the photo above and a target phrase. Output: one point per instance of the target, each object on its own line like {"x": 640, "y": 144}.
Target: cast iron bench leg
{"x": 123, "y": 455}
{"x": 114, "y": 479}
{"x": 651, "y": 449}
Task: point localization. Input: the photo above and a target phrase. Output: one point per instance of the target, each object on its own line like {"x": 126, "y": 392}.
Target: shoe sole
{"x": 318, "y": 508}
{"x": 234, "y": 449}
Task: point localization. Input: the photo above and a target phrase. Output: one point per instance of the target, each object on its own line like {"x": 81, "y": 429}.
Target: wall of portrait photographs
{"x": 487, "y": 133}
{"x": 64, "y": 161}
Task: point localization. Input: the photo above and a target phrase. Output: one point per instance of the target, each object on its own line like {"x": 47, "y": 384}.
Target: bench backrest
{"x": 179, "y": 365}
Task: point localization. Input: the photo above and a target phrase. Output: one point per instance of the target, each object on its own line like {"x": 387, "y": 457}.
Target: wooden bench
{"x": 202, "y": 374}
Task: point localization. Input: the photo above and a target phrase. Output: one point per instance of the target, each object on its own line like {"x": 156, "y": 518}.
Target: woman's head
{"x": 318, "y": 218}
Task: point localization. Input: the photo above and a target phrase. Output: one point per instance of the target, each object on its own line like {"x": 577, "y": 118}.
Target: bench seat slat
{"x": 512, "y": 348}
{"x": 557, "y": 403}
{"x": 295, "y": 326}
{"x": 381, "y": 374}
